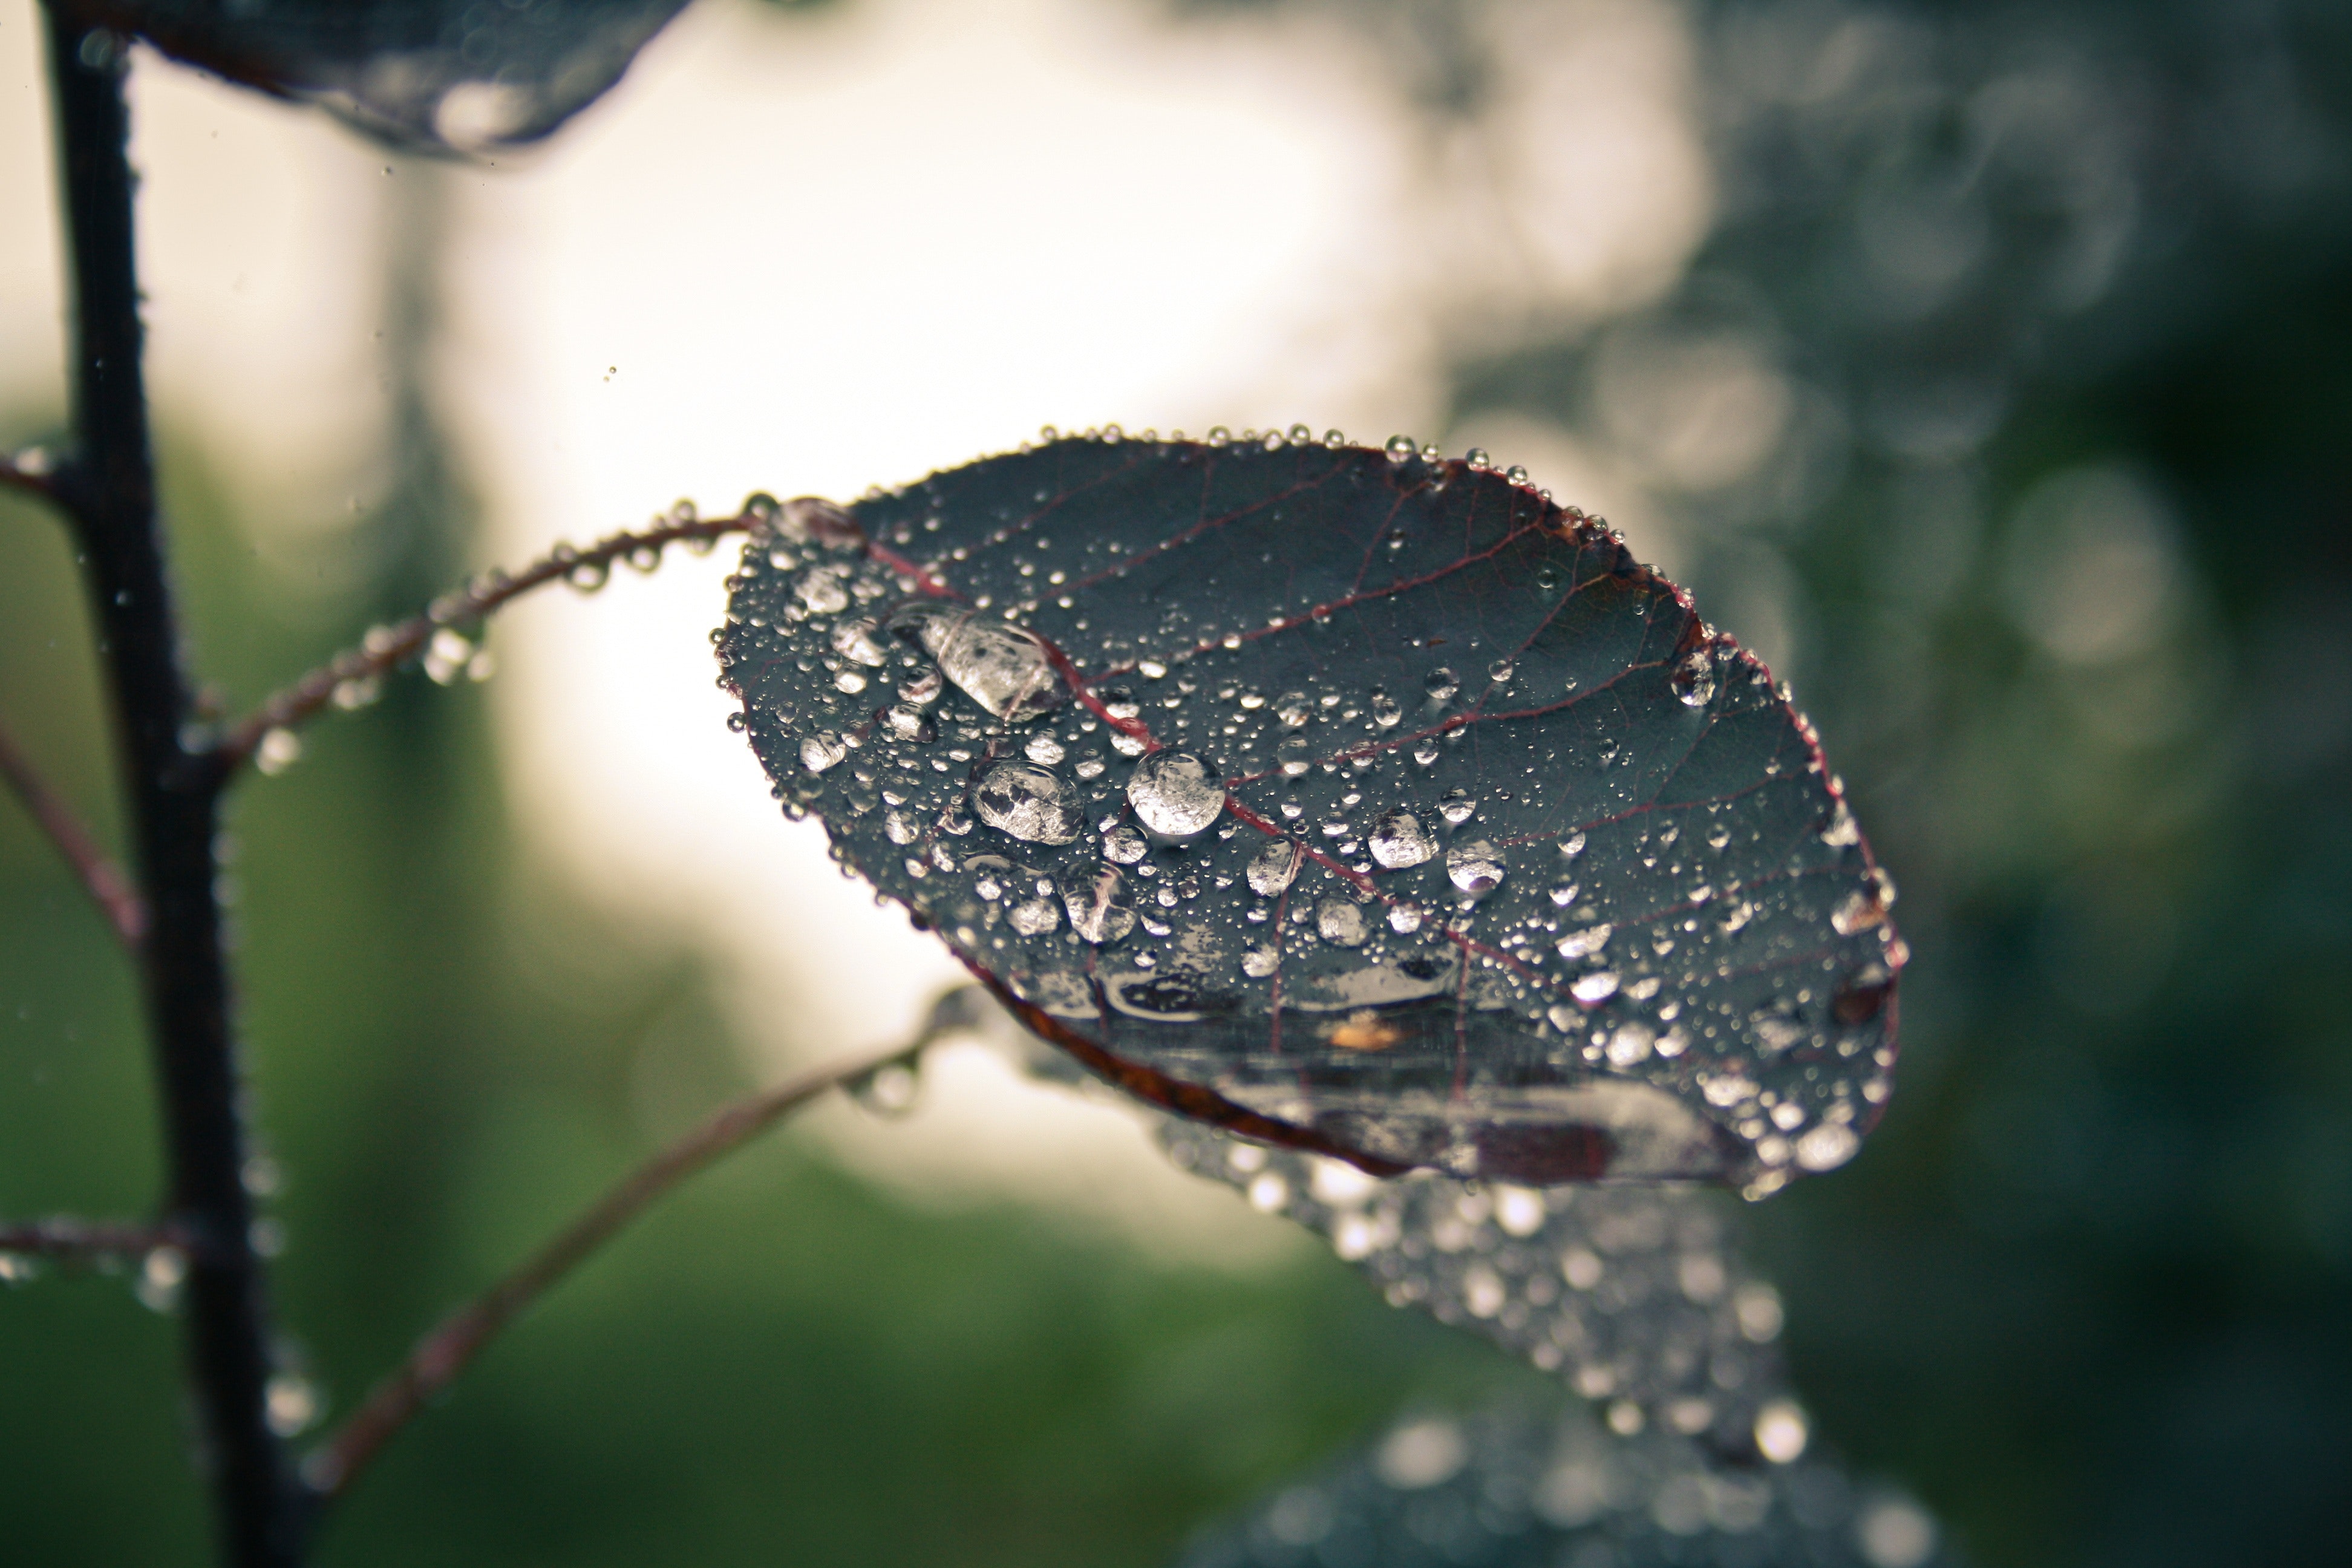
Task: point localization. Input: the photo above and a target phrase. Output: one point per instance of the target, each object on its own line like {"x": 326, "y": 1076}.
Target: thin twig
{"x": 100, "y": 876}
{"x": 66, "y": 1238}
{"x": 15, "y": 475}
{"x": 454, "y": 1342}
{"x": 386, "y": 649}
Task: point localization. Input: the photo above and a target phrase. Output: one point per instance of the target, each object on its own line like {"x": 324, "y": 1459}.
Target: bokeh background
{"x": 1987, "y": 368}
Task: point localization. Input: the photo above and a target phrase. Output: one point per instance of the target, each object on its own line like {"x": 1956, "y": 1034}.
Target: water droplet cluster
{"x": 1373, "y": 793}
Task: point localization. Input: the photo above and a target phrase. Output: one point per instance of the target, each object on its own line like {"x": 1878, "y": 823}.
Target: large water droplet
{"x": 1338, "y": 922}
{"x": 1399, "y": 840}
{"x": 1028, "y": 803}
{"x": 1401, "y": 449}
{"x": 1003, "y": 669}
{"x": 1099, "y": 911}
{"x": 1293, "y": 709}
{"x": 1387, "y": 713}
{"x": 1175, "y": 794}
{"x": 1273, "y": 868}
{"x": 1475, "y": 867}
{"x": 1442, "y": 684}
{"x": 1034, "y": 917}
{"x": 1457, "y": 806}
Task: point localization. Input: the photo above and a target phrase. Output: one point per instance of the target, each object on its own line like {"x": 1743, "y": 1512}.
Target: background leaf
{"x": 1348, "y": 799}
{"x": 429, "y": 75}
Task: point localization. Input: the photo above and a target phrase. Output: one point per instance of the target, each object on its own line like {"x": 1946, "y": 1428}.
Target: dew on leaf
{"x": 1289, "y": 598}
{"x": 1338, "y": 922}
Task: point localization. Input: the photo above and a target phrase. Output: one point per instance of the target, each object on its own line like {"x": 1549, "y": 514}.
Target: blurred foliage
{"x": 2042, "y": 314}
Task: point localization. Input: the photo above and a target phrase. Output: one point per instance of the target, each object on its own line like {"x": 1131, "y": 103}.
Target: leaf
{"x": 1349, "y": 800}
{"x": 430, "y": 75}
{"x": 1502, "y": 1490}
{"x": 1632, "y": 1294}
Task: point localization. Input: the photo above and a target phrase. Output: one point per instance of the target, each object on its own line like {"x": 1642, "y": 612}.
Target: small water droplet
{"x": 819, "y": 592}
{"x": 1477, "y": 458}
{"x": 1425, "y": 753}
{"x": 1402, "y": 449}
{"x": 1398, "y": 840}
{"x": 1387, "y": 713}
{"x": 1457, "y": 807}
{"x": 822, "y": 751}
{"x": 1595, "y": 988}
{"x": 1630, "y": 1044}
{"x": 1404, "y": 919}
{"x": 1273, "y": 867}
{"x": 1295, "y": 755}
{"x": 1034, "y": 917}
{"x": 1098, "y": 907}
{"x": 1292, "y": 708}
{"x": 1585, "y": 943}
{"x": 1260, "y": 959}
{"x": 1028, "y": 803}
{"x": 1124, "y": 844}
{"x": 1219, "y": 435}
{"x": 1572, "y": 846}
{"x": 1501, "y": 671}
{"x": 1564, "y": 894}
{"x": 1442, "y": 684}
{"x": 1043, "y": 749}
{"x": 1517, "y": 474}
{"x": 1475, "y": 867}
{"x": 1694, "y": 679}
{"x": 1338, "y": 922}
{"x": 1175, "y": 794}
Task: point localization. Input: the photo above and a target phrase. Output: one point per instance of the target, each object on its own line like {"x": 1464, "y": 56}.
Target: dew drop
{"x": 1425, "y": 753}
{"x": 1028, "y": 803}
{"x": 1474, "y": 868}
{"x": 1630, "y": 1044}
{"x": 1595, "y": 988}
{"x": 861, "y": 640}
{"x": 1398, "y": 840}
{"x": 1175, "y": 794}
{"x": 1098, "y": 906}
{"x": 1386, "y": 710}
{"x": 1501, "y": 671}
{"x": 1003, "y": 669}
{"x": 1260, "y": 961}
{"x": 1442, "y": 684}
{"x": 819, "y": 592}
{"x": 1338, "y": 922}
{"x": 822, "y": 751}
{"x": 1033, "y": 917}
{"x": 1295, "y": 755}
{"x": 1273, "y": 867}
{"x": 1694, "y": 679}
{"x": 1457, "y": 806}
{"x": 1043, "y": 749}
{"x": 1293, "y": 709}
{"x": 1585, "y": 943}
{"x": 1402, "y": 449}
{"x": 1124, "y": 844}
{"x": 1404, "y": 919}
{"x": 1477, "y": 458}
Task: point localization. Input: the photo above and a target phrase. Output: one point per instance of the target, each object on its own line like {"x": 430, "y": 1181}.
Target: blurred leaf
{"x": 1348, "y": 800}
{"x": 430, "y": 75}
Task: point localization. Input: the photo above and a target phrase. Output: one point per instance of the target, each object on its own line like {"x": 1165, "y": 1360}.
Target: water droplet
{"x": 1295, "y": 755}
{"x": 1585, "y": 943}
{"x": 1098, "y": 906}
{"x": 1338, "y": 922}
{"x": 1401, "y": 449}
{"x": 1404, "y": 919}
{"x": 1827, "y": 1146}
{"x": 819, "y": 592}
{"x": 1219, "y": 435}
{"x": 1029, "y": 804}
{"x": 1260, "y": 961}
{"x": 1442, "y": 684}
{"x": 1501, "y": 671}
{"x": 1630, "y": 1044}
{"x": 1572, "y": 846}
{"x": 1124, "y": 844}
{"x": 1457, "y": 807}
{"x": 1398, "y": 840}
{"x": 1034, "y": 917}
{"x": 1273, "y": 867}
{"x": 906, "y": 724}
{"x": 1425, "y": 753}
{"x": 822, "y": 751}
{"x": 900, "y": 828}
{"x": 1694, "y": 679}
{"x": 861, "y": 640}
{"x": 1300, "y": 436}
{"x": 1595, "y": 988}
{"x": 1334, "y": 438}
{"x": 1516, "y": 473}
{"x": 1475, "y": 867}
{"x": 1843, "y": 829}
{"x": 1003, "y": 669}
{"x": 1564, "y": 894}
{"x": 1293, "y": 709}
{"x": 1386, "y": 710}
{"x": 1175, "y": 794}
{"x": 1780, "y": 1431}
{"x": 1043, "y": 750}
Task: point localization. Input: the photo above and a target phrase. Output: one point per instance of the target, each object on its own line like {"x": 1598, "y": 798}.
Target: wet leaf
{"x": 1358, "y": 803}
{"x": 433, "y": 75}
{"x": 1506, "y": 1491}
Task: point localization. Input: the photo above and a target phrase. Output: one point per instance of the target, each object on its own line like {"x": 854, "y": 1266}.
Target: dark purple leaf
{"x": 1344, "y": 799}
{"x": 467, "y": 76}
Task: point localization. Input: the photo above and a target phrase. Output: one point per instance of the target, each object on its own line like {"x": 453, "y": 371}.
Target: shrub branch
{"x": 104, "y": 880}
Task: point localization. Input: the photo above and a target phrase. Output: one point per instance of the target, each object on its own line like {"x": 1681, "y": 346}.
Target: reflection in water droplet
{"x": 1572, "y": 846}
{"x": 1501, "y": 671}
{"x": 1295, "y": 755}
{"x": 822, "y": 751}
{"x": 1564, "y": 894}
{"x": 1630, "y": 1044}
{"x": 860, "y": 640}
{"x": 1401, "y": 449}
{"x": 1260, "y": 961}
{"x": 1293, "y": 709}
{"x": 1272, "y": 868}
{"x": 1043, "y": 749}
{"x": 1034, "y": 917}
{"x": 1175, "y": 794}
{"x": 1442, "y": 684}
{"x": 1586, "y": 942}
{"x": 1694, "y": 679}
{"x": 1425, "y": 752}
{"x": 1405, "y": 917}
{"x": 1399, "y": 840}
{"x": 1002, "y": 667}
{"x": 1099, "y": 911}
{"x": 1457, "y": 806}
{"x": 1475, "y": 867}
{"x": 1387, "y": 713}
{"x": 1595, "y": 988}
{"x": 1338, "y": 922}
{"x": 1124, "y": 844}
{"x": 1029, "y": 804}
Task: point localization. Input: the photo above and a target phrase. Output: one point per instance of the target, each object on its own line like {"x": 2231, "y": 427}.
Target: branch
{"x": 454, "y": 1342}
{"x": 100, "y": 876}
{"x": 386, "y": 649}
{"x": 63, "y": 1238}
